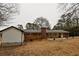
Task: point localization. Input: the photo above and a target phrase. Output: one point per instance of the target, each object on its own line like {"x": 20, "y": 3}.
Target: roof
{"x": 11, "y": 27}
{"x": 44, "y": 27}
{"x": 36, "y": 31}
{"x": 48, "y": 31}
{"x": 57, "y": 31}
{"x": 33, "y": 31}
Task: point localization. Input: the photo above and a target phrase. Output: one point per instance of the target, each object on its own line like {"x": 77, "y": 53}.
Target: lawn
{"x": 63, "y": 47}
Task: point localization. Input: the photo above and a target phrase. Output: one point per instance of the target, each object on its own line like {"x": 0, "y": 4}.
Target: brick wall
{"x": 32, "y": 36}
{"x": 29, "y": 36}
{"x": 43, "y": 33}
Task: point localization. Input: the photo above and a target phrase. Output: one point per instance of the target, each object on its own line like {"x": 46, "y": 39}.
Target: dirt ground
{"x": 61, "y": 47}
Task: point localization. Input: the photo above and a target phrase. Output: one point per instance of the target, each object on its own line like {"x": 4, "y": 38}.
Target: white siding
{"x": 22, "y": 37}
{"x": 12, "y": 35}
{"x": 0, "y": 39}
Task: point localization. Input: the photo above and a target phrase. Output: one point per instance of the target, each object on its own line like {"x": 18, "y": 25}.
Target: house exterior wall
{"x": 0, "y": 39}
{"x": 22, "y": 36}
{"x": 43, "y": 33}
{"x": 39, "y": 36}
{"x": 32, "y": 36}
{"x": 29, "y": 36}
{"x": 12, "y": 35}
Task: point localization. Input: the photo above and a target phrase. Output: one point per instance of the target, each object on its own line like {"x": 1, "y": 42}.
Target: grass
{"x": 61, "y": 47}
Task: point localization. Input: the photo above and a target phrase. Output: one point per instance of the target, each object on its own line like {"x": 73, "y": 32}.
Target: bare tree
{"x": 20, "y": 26}
{"x": 61, "y": 22}
{"x": 72, "y": 11}
{"x": 70, "y": 15}
{"x": 68, "y": 7}
{"x": 7, "y": 10}
{"x": 32, "y": 26}
{"x": 42, "y": 22}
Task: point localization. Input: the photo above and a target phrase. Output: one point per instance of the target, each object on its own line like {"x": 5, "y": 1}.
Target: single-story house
{"x": 44, "y": 33}
{"x": 11, "y": 36}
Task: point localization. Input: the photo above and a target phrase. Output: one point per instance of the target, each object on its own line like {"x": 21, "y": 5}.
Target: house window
{"x": 59, "y": 35}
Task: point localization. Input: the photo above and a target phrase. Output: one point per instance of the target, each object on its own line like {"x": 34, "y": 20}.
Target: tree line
{"x": 69, "y": 20}
{"x": 37, "y": 24}
{"x": 8, "y": 10}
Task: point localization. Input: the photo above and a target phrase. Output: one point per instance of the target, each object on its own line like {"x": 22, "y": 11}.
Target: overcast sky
{"x": 29, "y": 12}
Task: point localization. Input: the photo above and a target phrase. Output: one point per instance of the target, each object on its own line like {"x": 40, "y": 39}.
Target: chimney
{"x": 43, "y": 32}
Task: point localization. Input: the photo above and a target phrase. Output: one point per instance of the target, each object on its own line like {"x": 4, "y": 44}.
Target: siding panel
{"x": 12, "y": 35}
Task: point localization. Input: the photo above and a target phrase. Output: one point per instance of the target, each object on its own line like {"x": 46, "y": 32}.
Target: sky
{"x": 28, "y": 12}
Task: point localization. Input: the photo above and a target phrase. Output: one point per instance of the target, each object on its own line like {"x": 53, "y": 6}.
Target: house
{"x": 44, "y": 33}
{"x": 11, "y": 36}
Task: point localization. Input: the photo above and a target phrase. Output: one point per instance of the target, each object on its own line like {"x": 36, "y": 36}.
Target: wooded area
{"x": 69, "y": 20}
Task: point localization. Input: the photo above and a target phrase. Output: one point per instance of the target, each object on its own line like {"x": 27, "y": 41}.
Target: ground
{"x": 66, "y": 47}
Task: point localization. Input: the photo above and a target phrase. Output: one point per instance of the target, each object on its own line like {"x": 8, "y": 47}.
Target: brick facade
{"x": 43, "y": 34}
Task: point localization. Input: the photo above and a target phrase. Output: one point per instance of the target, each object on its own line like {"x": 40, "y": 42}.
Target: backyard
{"x": 61, "y": 47}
